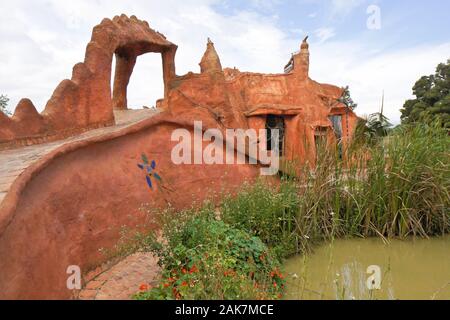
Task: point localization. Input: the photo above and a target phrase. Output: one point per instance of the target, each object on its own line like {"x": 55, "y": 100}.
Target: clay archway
{"x": 126, "y": 38}
{"x": 85, "y": 102}
{"x": 87, "y": 98}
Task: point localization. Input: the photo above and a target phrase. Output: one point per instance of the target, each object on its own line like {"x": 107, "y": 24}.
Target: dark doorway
{"x": 274, "y": 122}
{"x": 337, "y": 127}
{"x": 320, "y": 138}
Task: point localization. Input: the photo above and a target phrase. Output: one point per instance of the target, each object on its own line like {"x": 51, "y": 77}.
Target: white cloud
{"x": 324, "y": 34}
{"x": 265, "y": 4}
{"x": 344, "y": 7}
{"x": 369, "y": 74}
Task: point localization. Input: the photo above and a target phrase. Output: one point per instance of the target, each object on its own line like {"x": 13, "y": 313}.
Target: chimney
{"x": 301, "y": 60}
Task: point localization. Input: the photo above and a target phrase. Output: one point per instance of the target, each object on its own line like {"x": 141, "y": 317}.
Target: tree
{"x": 347, "y": 99}
{"x": 432, "y": 102}
{"x": 3, "y": 104}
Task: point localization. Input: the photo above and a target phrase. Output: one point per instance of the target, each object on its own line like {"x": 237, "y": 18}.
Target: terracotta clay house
{"x": 62, "y": 199}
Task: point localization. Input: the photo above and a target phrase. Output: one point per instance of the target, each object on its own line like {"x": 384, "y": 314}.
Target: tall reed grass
{"x": 397, "y": 187}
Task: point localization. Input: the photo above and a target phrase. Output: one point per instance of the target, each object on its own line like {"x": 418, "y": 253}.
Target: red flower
{"x": 230, "y": 273}
{"x": 184, "y": 284}
{"x": 194, "y": 269}
{"x": 144, "y": 287}
{"x": 184, "y": 271}
{"x": 166, "y": 285}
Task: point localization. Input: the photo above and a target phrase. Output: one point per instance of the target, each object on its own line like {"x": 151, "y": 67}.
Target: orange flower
{"x": 184, "y": 284}
{"x": 230, "y": 273}
{"x": 144, "y": 287}
{"x": 176, "y": 294}
{"x": 184, "y": 271}
{"x": 166, "y": 285}
{"x": 194, "y": 269}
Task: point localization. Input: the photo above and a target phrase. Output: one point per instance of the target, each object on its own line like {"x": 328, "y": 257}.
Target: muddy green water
{"x": 413, "y": 269}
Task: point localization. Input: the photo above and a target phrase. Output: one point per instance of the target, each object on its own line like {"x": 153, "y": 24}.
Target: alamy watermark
{"x": 250, "y": 144}
{"x": 374, "y": 280}
{"x": 374, "y": 19}
{"x": 74, "y": 279}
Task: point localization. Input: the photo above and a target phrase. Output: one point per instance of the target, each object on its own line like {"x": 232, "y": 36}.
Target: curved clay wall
{"x": 64, "y": 209}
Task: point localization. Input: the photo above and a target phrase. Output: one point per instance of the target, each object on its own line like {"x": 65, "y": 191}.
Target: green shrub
{"x": 267, "y": 212}
{"x": 204, "y": 258}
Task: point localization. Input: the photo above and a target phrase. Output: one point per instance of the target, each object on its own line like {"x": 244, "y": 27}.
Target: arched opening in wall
{"x": 145, "y": 84}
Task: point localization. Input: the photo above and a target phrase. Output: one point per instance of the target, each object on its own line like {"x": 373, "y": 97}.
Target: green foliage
{"x": 204, "y": 258}
{"x": 432, "y": 98}
{"x": 396, "y": 186}
{"x": 265, "y": 211}
{"x": 370, "y": 130}
{"x": 3, "y": 104}
{"x": 405, "y": 188}
{"x": 347, "y": 99}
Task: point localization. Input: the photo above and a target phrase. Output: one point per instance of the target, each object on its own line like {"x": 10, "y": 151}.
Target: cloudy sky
{"x": 42, "y": 39}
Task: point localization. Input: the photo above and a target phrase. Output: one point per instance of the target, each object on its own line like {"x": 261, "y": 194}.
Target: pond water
{"x": 405, "y": 270}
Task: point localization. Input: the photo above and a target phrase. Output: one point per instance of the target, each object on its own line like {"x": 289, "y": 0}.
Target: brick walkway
{"x": 14, "y": 162}
{"x": 123, "y": 280}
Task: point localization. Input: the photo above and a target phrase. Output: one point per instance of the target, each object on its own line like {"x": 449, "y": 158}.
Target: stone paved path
{"x": 123, "y": 280}
{"x": 14, "y": 162}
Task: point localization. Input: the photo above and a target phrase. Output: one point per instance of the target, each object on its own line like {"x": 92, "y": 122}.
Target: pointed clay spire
{"x": 210, "y": 61}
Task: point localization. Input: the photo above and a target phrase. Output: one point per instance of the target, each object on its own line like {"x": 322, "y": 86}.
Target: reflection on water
{"x": 413, "y": 269}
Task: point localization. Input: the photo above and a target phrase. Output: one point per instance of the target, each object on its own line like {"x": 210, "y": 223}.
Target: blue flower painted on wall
{"x": 149, "y": 169}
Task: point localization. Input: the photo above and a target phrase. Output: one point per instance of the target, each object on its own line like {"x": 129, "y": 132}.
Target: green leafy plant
{"x": 266, "y": 211}
{"x": 205, "y": 258}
